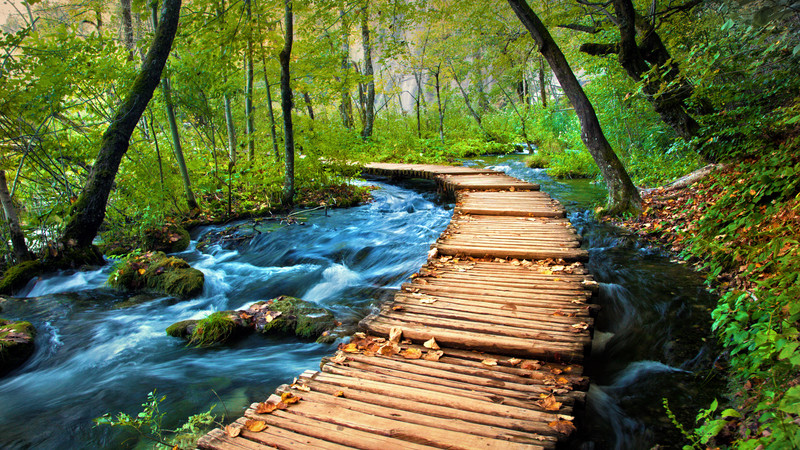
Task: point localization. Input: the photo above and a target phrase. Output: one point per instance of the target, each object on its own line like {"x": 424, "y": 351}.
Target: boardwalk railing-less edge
{"x": 481, "y": 349}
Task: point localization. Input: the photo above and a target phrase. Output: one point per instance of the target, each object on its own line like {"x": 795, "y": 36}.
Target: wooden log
{"x": 568, "y": 254}
{"x": 508, "y": 345}
{"x": 218, "y": 440}
{"x": 427, "y": 409}
{"x": 412, "y": 304}
{"x": 277, "y": 436}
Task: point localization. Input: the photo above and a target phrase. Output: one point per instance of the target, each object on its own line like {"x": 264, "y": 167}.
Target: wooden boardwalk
{"x": 482, "y": 348}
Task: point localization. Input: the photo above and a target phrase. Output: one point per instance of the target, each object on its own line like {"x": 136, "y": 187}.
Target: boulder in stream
{"x": 16, "y": 344}
{"x": 286, "y": 316}
{"x": 159, "y": 273}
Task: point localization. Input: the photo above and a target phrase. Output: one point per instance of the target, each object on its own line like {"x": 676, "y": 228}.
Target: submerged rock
{"x": 286, "y": 316}
{"x": 159, "y": 273}
{"x": 16, "y": 344}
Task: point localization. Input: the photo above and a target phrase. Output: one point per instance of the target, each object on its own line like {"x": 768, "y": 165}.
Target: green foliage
{"x": 214, "y": 329}
{"x": 148, "y": 425}
{"x": 699, "y": 438}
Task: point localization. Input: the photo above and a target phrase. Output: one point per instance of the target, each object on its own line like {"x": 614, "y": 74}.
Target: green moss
{"x": 538, "y": 160}
{"x": 182, "y": 329}
{"x": 300, "y": 318}
{"x": 159, "y": 273}
{"x": 16, "y": 277}
{"x": 169, "y": 238}
{"x": 215, "y": 329}
{"x": 16, "y": 344}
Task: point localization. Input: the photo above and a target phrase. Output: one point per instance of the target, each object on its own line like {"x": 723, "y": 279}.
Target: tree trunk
{"x": 438, "y": 88}
{"x": 369, "y": 116}
{"x": 88, "y": 212}
{"x": 127, "y": 27}
{"x": 464, "y": 94}
{"x": 309, "y": 106}
{"x": 269, "y": 108}
{"x": 231, "y": 129}
{"x": 417, "y": 100}
{"x": 669, "y": 104}
{"x": 622, "y": 194}
{"x": 286, "y": 105}
{"x": 166, "y": 89}
{"x": 542, "y": 86}
{"x": 346, "y": 106}
{"x": 248, "y": 91}
{"x": 20, "y": 248}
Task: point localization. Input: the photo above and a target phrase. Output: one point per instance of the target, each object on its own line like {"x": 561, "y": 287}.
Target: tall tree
{"x": 88, "y": 212}
{"x": 18, "y": 245}
{"x": 250, "y": 129}
{"x": 622, "y": 194}
{"x": 166, "y": 89}
{"x": 286, "y": 104}
{"x": 369, "y": 112}
{"x": 271, "y": 112}
{"x": 650, "y": 64}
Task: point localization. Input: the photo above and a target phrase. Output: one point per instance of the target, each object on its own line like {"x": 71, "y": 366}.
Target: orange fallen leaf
{"x": 530, "y": 365}
{"x": 300, "y": 387}
{"x": 389, "y": 349}
{"x": 350, "y": 348}
{"x": 549, "y": 403}
{"x": 338, "y": 394}
{"x": 233, "y": 430}
{"x": 555, "y": 371}
{"x": 339, "y": 358}
{"x": 514, "y": 361}
{"x": 433, "y": 355}
{"x": 562, "y": 380}
{"x": 562, "y": 426}
{"x": 397, "y": 307}
{"x": 255, "y": 425}
{"x": 265, "y": 408}
{"x": 489, "y": 362}
{"x": 411, "y": 353}
{"x": 431, "y": 344}
{"x": 289, "y": 398}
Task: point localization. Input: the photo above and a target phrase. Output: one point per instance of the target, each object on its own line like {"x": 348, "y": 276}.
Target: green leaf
{"x": 730, "y": 412}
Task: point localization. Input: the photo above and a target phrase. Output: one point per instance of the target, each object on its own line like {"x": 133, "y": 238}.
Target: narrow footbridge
{"x": 482, "y": 348}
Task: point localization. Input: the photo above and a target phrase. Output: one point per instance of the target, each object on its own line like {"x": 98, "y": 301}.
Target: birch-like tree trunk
{"x": 286, "y": 104}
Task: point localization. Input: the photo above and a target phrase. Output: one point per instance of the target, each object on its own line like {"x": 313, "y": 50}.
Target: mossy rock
{"x": 159, "y": 273}
{"x": 169, "y": 238}
{"x": 16, "y": 344}
{"x": 219, "y": 328}
{"x": 16, "y": 277}
{"x": 292, "y": 316}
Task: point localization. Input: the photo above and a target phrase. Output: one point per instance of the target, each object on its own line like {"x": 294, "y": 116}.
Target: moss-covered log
{"x": 159, "y": 273}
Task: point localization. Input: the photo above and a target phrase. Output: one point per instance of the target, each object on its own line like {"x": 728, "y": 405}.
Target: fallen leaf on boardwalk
{"x": 289, "y": 398}
{"x": 339, "y": 358}
{"x": 411, "y": 353}
{"x": 489, "y": 362}
{"x": 360, "y": 335}
{"x": 232, "y": 430}
{"x": 431, "y": 344}
{"x": 514, "y": 361}
{"x": 562, "y": 380}
{"x": 562, "y": 426}
{"x": 557, "y": 268}
{"x": 530, "y": 365}
{"x": 395, "y": 334}
{"x": 578, "y": 327}
{"x": 427, "y": 301}
{"x": 255, "y": 425}
{"x": 549, "y": 403}
{"x": 338, "y": 394}
{"x": 300, "y": 387}
{"x": 548, "y": 272}
{"x": 350, "y": 348}
{"x": 568, "y": 369}
{"x": 397, "y": 307}
{"x": 515, "y": 262}
{"x": 389, "y": 349}
{"x": 555, "y": 371}
{"x": 433, "y": 355}
{"x": 266, "y": 408}
{"x": 499, "y": 260}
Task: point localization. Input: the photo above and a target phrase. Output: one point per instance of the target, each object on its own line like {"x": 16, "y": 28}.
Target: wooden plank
{"x": 568, "y": 254}
{"x": 217, "y": 439}
{"x": 393, "y": 411}
{"x": 282, "y": 438}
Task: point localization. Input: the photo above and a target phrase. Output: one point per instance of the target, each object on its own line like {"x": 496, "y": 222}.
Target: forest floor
{"x": 739, "y": 227}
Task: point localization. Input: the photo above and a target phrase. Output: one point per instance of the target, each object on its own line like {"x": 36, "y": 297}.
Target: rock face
{"x": 159, "y": 273}
{"x": 16, "y": 344}
{"x": 285, "y": 316}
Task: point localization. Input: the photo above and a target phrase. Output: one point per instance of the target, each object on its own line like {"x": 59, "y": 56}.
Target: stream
{"x": 95, "y": 354}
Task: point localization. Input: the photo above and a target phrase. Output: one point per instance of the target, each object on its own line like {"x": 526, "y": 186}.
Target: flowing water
{"x": 94, "y": 356}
